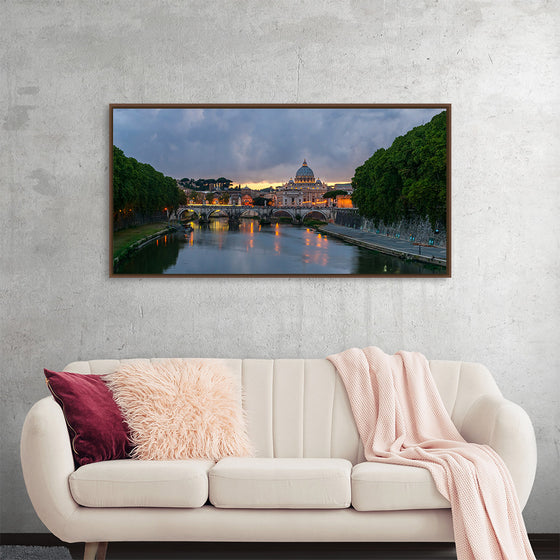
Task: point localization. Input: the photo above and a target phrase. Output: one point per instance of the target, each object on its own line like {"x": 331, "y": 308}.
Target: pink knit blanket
{"x": 401, "y": 420}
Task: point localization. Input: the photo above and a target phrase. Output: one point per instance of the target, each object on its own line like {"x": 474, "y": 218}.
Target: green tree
{"x": 334, "y": 194}
{"x": 260, "y": 201}
{"x": 223, "y": 183}
{"x": 408, "y": 179}
{"x": 138, "y": 189}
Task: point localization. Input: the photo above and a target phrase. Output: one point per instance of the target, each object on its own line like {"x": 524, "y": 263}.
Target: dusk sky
{"x": 260, "y": 147}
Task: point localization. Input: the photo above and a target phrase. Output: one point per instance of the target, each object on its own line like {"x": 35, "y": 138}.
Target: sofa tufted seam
{"x": 332, "y": 414}
{"x": 502, "y": 406}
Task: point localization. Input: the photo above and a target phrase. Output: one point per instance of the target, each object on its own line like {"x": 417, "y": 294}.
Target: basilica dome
{"x": 302, "y": 190}
{"x": 305, "y": 174}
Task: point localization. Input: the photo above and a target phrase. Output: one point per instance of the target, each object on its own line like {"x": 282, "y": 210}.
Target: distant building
{"x": 344, "y": 201}
{"x": 303, "y": 190}
{"x": 235, "y": 198}
{"x": 343, "y": 187}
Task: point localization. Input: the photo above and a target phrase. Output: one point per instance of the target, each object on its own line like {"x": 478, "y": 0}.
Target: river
{"x": 254, "y": 249}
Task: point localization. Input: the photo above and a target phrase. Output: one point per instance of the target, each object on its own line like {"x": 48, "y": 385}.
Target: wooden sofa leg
{"x": 90, "y": 551}
{"x": 95, "y": 551}
{"x": 102, "y": 550}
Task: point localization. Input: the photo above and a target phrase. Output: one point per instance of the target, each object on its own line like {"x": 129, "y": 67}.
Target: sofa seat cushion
{"x": 136, "y": 483}
{"x": 237, "y": 482}
{"x": 382, "y": 487}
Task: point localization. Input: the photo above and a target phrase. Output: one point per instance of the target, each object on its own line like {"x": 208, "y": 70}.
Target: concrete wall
{"x": 64, "y": 61}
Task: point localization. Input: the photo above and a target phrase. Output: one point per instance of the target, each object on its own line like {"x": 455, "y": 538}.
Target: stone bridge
{"x": 235, "y": 213}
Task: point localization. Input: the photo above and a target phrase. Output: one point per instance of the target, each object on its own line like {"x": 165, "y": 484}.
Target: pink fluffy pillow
{"x": 181, "y": 409}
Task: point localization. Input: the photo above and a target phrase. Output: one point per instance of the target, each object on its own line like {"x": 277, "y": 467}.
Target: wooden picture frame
{"x": 240, "y": 190}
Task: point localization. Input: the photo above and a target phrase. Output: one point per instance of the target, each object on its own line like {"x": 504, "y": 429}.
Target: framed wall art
{"x": 280, "y": 190}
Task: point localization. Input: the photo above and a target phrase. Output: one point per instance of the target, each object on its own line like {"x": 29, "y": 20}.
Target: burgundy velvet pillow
{"x": 97, "y": 429}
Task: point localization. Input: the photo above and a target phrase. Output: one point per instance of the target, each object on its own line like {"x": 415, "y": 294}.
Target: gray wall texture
{"x": 64, "y": 61}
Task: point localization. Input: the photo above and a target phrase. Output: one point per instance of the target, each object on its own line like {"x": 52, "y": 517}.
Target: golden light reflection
{"x": 276, "y": 247}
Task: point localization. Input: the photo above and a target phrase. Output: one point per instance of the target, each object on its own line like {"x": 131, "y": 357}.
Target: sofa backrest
{"x": 299, "y": 407}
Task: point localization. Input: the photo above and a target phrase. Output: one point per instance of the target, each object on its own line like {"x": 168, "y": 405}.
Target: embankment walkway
{"x": 388, "y": 245}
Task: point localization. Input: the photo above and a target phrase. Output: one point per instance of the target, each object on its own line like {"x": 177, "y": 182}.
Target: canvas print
{"x": 262, "y": 190}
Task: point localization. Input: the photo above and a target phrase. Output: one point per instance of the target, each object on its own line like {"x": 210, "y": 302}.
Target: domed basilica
{"x": 303, "y": 190}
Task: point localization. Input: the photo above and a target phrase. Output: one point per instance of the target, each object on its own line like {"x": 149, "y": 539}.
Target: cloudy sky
{"x": 260, "y": 147}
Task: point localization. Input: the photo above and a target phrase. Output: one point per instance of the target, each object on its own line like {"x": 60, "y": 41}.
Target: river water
{"x": 255, "y": 249}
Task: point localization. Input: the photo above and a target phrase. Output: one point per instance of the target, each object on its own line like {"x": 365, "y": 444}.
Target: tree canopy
{"x": 139, "y": 188}
{"x": 260, "y": 201}
{"x": 408, "y": 178}
{"x": 205, "y": 184}
{"x": 334, "y": 194}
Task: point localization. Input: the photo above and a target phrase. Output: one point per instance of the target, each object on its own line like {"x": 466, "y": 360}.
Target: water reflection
{"x": 254, "y": 249}
{"x": 155, "y": 258}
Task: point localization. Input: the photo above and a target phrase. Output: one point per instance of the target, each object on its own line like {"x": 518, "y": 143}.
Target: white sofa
{"x": 308, "y": 482}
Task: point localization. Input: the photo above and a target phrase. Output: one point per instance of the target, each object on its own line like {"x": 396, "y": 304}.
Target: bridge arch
{"x": 249, "y": 213}
{"x": 283, "y": 213}
{"x": 188, "y": 211}
{"x": 236, "y": 212}
{"x": 217, "y": 213}
{"x": 316, "y": 214}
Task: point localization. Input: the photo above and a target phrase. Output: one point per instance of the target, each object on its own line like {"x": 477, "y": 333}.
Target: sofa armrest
{"x": 47, "y": 461}
{"x": 506, "y": 427}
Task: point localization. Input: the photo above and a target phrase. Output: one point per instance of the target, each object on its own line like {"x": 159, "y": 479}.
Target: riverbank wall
{"x": 417, "y": 230}
{"x": 378, "y": 242}
{"x": 117, "y": 261}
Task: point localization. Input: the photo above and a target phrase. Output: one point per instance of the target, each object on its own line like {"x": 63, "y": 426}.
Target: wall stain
{"x": 44, "y": 182}
{"x": 28, "y": 90}
{"x": 18, "y": 116}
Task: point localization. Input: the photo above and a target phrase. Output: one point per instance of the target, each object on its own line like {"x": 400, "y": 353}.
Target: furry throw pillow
{"x": 181, "y": 409}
